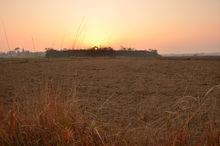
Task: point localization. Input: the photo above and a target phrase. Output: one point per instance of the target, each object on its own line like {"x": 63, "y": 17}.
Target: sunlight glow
{"x": 96, "y": 39}
{"x": 169, "y": 26}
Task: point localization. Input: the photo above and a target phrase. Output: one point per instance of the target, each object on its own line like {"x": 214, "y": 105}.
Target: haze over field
{"x": 171, "y": 26}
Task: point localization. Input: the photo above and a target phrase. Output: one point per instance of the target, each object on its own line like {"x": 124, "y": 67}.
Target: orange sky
{"x": 171, "y": 26}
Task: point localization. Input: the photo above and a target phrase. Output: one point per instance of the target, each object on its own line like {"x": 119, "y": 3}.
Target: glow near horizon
{"x": 171, "y": 26}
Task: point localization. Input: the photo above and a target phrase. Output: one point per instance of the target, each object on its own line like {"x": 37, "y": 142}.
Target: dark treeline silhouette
{"x": 101, "y": 51}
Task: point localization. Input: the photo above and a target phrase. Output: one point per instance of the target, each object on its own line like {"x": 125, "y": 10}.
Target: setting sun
{"x": 96, "y": 39}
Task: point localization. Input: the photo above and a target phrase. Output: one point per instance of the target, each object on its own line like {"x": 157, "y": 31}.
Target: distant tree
{"x": 17, "y": 50}
{"x": 153, "y": 51}
{"x": 127, "y": 49}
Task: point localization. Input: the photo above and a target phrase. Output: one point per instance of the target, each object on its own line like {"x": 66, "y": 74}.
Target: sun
{"x": 96, "y": 36}
{"x": 96, "y": 39}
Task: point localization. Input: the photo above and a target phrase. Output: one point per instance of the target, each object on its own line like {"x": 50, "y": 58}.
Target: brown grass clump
{"x": 53, "y": 122}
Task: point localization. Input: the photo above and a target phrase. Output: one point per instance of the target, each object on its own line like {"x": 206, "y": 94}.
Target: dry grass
{"x": 50, "y": 122}
{"x": 107, "y": 101}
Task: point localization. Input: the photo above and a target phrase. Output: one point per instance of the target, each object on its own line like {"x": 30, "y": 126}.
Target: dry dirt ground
{"x": 140, "y": 96}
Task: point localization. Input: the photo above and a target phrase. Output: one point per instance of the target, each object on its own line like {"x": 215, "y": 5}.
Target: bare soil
{"x": 140, "y": 96}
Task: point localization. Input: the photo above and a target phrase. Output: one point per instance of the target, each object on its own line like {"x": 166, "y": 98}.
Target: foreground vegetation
{"x": 76, "y": 102}
{"x": 52, "y": 121}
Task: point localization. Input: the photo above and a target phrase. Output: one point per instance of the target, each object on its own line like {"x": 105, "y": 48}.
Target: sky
{"x": 170, "y": 26}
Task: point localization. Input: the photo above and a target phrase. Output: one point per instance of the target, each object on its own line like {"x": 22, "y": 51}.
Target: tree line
{"x": 101, "y": 51}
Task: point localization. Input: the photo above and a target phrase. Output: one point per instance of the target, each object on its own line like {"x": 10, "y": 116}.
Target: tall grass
{"x": 51, "y": 120}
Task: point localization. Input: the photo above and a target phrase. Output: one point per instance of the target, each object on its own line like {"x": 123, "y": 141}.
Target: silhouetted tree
{"x": 17, "y": 50}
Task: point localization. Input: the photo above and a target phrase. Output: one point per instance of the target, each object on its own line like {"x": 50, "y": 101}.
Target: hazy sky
{"x": 171, "y": 26}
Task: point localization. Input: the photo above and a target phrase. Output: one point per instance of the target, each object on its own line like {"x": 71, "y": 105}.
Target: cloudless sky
{"x": 171, "y": 26}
